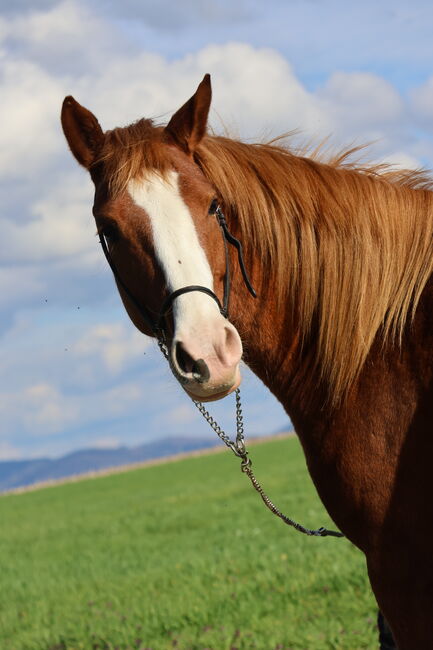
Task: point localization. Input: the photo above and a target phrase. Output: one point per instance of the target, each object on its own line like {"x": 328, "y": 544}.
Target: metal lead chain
{"x": 239, "y": 449}
{"x": 163, "y": 347}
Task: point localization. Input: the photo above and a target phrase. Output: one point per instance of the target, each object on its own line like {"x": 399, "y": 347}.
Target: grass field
{"x": 181, "y": 555}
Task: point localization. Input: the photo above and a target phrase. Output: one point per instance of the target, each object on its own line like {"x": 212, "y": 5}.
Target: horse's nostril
{"x": 184, "y": 360}
{"x": 200, "y": 371}
{"x": 188, "y": 366}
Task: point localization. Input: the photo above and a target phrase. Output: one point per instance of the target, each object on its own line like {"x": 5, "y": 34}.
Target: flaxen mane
{"x": 350, "y": 247}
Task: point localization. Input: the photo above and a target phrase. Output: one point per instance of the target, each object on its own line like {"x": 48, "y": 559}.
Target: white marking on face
{"x": 177, "y": 246}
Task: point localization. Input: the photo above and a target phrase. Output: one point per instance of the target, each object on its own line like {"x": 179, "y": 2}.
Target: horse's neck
{"x": 351, "y": 450}
{"x": 271, "y": 343}
{"x": 274, "y": 351}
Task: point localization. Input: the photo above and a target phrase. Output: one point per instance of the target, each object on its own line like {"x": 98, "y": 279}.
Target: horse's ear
{"x": 188, "y": 125}
{"x": 82, "y": 131}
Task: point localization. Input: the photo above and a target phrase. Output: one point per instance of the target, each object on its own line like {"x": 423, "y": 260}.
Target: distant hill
{"x": 20, "y": 473}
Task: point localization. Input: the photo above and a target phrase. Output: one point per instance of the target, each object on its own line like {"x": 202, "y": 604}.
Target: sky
{"x": 74, "y": 372}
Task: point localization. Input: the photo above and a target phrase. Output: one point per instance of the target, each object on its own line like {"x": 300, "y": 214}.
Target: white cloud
{"x": 180, "y": 416}
{"x": 40, "y": 54}
{"x": 9, "y": 452}
{"x": 108, "y": 442}
{"x": 244, "y": 80}
{"x": 258, "y": 90}
{"x": 422, "y": 102}
{"x": 361, "y": 99}
{"x": 43, "y": 409}
{"x": 167, "y": 15}
{"x": 403, "y": 160}
{"x": 113, "y": 346}
{"x": 62, "y": 225}
{"x": 19, "y": 283}
{"x": 62, "y": 37}
{"x": 40, "y": 409}
{"x": 29, "y": 111}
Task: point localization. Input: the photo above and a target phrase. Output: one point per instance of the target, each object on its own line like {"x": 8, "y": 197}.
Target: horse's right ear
{"x": 82, "y": 131}
{"x": 188, "y": 125}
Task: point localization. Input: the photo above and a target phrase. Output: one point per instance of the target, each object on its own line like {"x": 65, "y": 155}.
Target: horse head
{"x": 155, "y": 214}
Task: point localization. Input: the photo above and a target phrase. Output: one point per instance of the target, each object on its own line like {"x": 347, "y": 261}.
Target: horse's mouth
{"x": 208, "y": 393}
{"x": 213, "y": 396}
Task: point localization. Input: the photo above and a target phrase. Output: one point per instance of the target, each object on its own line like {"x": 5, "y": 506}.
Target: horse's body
{"x": 342, "y": 330}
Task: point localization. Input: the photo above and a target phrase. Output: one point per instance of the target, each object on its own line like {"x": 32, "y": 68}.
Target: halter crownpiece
{"x": 237, "y": 244}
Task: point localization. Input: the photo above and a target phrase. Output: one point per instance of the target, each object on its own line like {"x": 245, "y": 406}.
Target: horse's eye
{"x": 213, "y": 206}
{"x": 110, "y": 232}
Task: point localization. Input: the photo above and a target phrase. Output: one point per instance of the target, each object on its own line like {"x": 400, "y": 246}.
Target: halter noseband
{"x": 157, "y": 325}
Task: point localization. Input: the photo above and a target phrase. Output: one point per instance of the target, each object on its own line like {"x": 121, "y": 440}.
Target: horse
{"x": 340, "y": 255}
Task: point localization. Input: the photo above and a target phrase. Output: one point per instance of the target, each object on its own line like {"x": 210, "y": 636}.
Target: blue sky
{"x": 73, "y": 371}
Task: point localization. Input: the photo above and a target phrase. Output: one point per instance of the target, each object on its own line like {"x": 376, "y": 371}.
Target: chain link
{"x": 238, "y": 448}
{"x": 163, "y": 347}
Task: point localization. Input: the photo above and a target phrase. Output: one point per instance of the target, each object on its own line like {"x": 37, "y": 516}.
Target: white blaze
{"x": 177, "y": 246}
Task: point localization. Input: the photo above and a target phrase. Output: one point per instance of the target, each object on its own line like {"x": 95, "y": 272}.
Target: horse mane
{"x": 348, "y": 246}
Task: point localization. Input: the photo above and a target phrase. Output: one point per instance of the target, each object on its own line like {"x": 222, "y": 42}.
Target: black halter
{"x": 157, "y": 324}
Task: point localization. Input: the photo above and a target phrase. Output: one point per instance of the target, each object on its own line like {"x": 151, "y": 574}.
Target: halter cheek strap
{"x": 156, "y": 325}
{"x": 228, "y": 237}
{"x": 142, "y": 310}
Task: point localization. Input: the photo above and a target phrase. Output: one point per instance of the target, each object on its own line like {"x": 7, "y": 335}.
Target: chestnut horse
{"x": 341, "y": 258}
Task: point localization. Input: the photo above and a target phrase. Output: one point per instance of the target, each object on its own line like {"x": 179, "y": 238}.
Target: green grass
{"x": 181, "y": 555}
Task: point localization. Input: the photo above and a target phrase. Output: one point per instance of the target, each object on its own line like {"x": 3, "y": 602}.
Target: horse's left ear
{"x": 82, "y": 131}
{"x": 188, "y": 125}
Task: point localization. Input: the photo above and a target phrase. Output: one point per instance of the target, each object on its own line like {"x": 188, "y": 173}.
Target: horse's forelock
{"x": 129, "y": 152}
